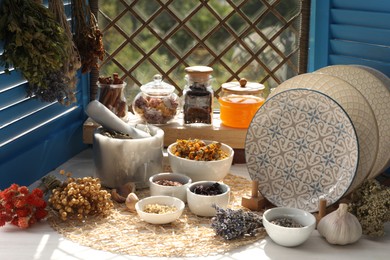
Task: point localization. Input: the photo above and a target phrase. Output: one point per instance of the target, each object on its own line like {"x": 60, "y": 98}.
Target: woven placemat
{"x": 124, "y": 232}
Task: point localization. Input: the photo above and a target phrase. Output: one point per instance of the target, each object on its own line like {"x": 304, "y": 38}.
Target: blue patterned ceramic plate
{"x": 301, "y": 146}
{"x": 375, "y": 87}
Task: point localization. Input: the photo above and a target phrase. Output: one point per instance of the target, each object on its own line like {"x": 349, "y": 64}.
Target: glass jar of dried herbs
{"x": 198, "y": 96}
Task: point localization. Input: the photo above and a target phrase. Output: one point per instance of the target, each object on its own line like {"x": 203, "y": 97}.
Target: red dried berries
{"x": 20, "y": 207}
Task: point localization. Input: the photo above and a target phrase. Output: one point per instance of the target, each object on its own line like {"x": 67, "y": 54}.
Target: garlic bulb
{"x": 340, "y": 227}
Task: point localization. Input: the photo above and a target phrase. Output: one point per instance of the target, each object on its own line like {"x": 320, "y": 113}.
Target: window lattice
{"x": 261, "y": 40}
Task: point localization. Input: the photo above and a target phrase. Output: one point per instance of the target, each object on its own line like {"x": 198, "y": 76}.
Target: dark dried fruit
{"x": 212, "y": 190}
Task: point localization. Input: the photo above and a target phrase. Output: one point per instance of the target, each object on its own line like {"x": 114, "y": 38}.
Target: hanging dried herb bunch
{"x": 36, "y": 44}
{"x": 88, "y": 37}
{"x": 72, "y": 62}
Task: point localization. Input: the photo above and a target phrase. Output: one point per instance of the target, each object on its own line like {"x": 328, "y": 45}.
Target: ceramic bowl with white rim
{"x": 214, "y": 170}
{"x": 202, "y": 205}
{"x": 160, "y": 201}
{"x": 375, "y": 87}
{"x": 357, "y": 108}
{"x": 288, "y": 236}
{"x": 169, "y": 184}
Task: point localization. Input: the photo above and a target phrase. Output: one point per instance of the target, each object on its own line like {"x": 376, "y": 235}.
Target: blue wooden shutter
{"x": 350, "y": 32}
{"x": 36, "y": 137}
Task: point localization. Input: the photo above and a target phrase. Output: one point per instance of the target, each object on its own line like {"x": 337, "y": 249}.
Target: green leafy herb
{"x": 72, "y": 62}
{"x": 35, "y": 44}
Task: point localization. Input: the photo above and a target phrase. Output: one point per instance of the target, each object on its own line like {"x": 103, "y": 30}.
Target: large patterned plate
{"x": 375, "y": 87}
{"x": 301, "y": 146}
{"x": 357, "y": 108}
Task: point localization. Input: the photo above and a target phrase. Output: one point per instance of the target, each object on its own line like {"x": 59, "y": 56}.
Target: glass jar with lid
{"x": 198, "y": 96}
{"x": 111, "y": 94}
{"x": 156, "y": 103}
{"x": 239, "y": 101}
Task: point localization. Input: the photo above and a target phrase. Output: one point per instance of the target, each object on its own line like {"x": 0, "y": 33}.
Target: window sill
{"x": 233, "y": 137}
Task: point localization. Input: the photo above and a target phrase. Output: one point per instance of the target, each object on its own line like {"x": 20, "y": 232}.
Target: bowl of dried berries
{"x": 159, "y": 209}
{"x": 288, "y": 226}
{"x": 201, "y": 160}
{"x": 203, "y": 196}
{"x": 169, "y": 184}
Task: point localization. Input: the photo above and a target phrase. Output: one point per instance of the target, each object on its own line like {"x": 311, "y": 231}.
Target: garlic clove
{"x": 131, "y": 200}
{"x": 340, "y": 227}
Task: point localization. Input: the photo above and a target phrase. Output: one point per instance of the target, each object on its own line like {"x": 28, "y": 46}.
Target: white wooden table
{"x": 42, "y": 242}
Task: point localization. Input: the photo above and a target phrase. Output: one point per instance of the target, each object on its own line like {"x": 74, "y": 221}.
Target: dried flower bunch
{"x": 72, "y": 62}
{"x": 231, "y": 224}
{"x": 88, "y": 38}
{"x": 20, "y": 207}
{"x": 370, "y": 203}
{"x": 78, "y": 198}
{"x": 37, "y": 45}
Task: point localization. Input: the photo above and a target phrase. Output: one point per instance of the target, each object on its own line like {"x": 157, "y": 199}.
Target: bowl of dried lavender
{"x": 288, "y": 226}
{"x": 170, "y": 184}
{"x": 159, "y": 209}
{"x": 203, "y": 196}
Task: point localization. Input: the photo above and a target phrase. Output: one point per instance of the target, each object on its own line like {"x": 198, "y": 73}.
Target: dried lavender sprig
{"x": 231, "y": 224}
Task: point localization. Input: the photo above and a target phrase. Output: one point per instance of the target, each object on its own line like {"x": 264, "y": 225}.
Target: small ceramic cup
{"x": 163, "y": 218}
{"x": 202, "y": 205}
{"x": 179, "y": 192}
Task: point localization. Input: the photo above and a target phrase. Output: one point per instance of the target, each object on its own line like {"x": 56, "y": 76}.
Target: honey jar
{"x": 239, "y": 101}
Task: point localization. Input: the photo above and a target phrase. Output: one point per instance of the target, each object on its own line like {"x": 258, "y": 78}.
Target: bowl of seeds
{"x": 169, "y": 184}
{"x": 159, "y": 209}
{"x": 288, "y": 226}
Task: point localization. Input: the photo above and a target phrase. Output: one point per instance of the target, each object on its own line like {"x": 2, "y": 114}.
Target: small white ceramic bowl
{"x": 201, "y": 205}
{"x": 202, "y": 170}
{"x": 179, "y": 192}
{"x": 160, "y": 218}
{"x": 289, "y": 236}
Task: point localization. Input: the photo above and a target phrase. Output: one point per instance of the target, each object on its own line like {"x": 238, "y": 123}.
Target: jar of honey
{"x": 239, "y": 101}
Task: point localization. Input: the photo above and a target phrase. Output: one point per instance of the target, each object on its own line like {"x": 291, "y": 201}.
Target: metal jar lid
{"x": 243, "y": 87}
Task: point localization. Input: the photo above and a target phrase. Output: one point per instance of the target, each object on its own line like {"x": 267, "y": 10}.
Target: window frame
{"x": 36, "y": 136}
